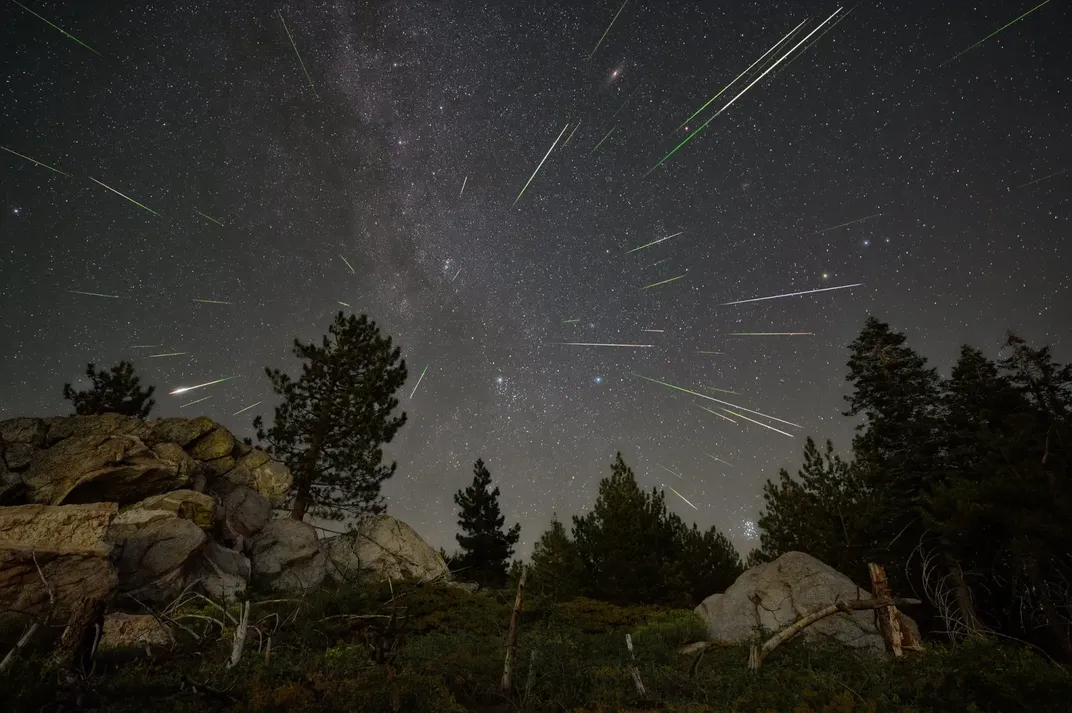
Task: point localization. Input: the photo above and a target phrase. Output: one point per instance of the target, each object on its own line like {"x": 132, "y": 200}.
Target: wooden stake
{"x": 240, "y": 636}
{"x": 511, "y": 637}
{"x": 633, "y": 670}
{"x": 889, "y": 624}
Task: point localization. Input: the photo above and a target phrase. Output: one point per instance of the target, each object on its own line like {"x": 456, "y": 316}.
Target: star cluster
{"x": 386, "y": 181}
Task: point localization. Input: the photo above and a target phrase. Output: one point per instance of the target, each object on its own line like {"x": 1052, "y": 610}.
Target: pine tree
{"x": 334, "y": 419}
{"x": 817, "y": 512}
{"x": 116, "y": 391}
{"x": 710, "y": 561}
{"x": 485, "y": 547}
{"x": 556, "y": 564}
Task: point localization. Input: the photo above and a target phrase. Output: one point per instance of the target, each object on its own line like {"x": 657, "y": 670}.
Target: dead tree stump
{"x": 511, "y": 637}
{"x": 79, "y": 640}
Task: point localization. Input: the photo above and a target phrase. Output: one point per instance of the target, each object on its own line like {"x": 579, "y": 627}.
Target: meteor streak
{"x": 540, "y": 164}
{"x": 419, "y": 380}
{"x": 682, "y": 497}
{"x": 656, "y": 284}
{"x": 656, "y": 242}
{"x": 771, "y": 334}
{"x": 464, "y": 181}
{"x": 298, "y": 54}
{"x": 209, "y": 217}
{"x": 707, "y": 352}
{"x": 660, "y": 331}
{"x": 752, "y": 420}
{"x": 670, "y": 471}
{"x": 738, "y": 96}
{"x": 196, "y": 401}
{"x": 247, "y": 408}
{"x": 851, "y": 222}
{"x": 348, "y": 265}
{"x": 456, "y": 275}
{"x": 184, "y": 389}
{"x": 712, "y": 398}
{"x": 612, "y": 25}
{"x": 599, "y": 344}
{"x": 344, "y": 304}
{"x": 214, "y": 302}
{"x": 722, "y": 391}
{"x": 566, "y": 142}
{"x": 792, "y": 294}
{"x": 1052, "y": 175}
{"x": 94, "y": 294}
{"x": 33, "y": 160}
{"x": 741, "y": 75}
{"x": 127, "y": 197}
{"x": 571, "y": 321}
{"x": 147, "y": 346}
{"x": 718, "y": 414}
{"x": 731, "y": 465}
{"x": 65, "y": 32}
{"x": 169, "y": 354}
{"x": 603, "y": 139}
{"x": 993, "y": 33}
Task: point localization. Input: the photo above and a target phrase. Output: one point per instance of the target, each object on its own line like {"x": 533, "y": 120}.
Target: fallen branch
{"x": 19, "y": 646}
{"x": 758, "y": 654}
{"x": 633, "y": 670}
{"x": 240, "y": 636}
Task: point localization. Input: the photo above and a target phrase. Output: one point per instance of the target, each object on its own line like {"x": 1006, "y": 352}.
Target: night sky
{"x": 203, "y": 108}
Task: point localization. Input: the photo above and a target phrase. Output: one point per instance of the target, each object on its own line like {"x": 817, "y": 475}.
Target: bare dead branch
{"x": 240, "y": 637}
{"x": 511, "y": 637}
{"x": 633, "y": 670}
{"x": 19, "y": 646}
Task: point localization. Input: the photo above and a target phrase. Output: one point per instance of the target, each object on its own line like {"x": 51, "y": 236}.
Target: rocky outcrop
{"x": 198, "y": 508}
{"x": 774, "y": 595}
{"x": 51, "y": 556}
{"x": 386, "y": 547}
{"x": 152, "y": 558}
{"x": 287, "y": 558}
{"x": 243, "y": 513}
{"x": 221, "y": 573}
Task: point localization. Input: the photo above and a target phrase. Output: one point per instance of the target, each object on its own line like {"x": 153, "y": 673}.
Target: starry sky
{"x": 386, "y": 179}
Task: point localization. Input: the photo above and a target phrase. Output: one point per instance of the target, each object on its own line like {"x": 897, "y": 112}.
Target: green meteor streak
{"x": 127, "y": 197}
{"x": 656, "y": 284}
{"x": 603, "y": 139}
{"x": 993, "y": 33}
{"x": 740, "y": 75}
{"x": 298, "y": 54}
{"x": 608, "y": 29}
{"x": 209, "y": 217}
{"x": 752, "y": 420}
{"x": 195, "y": 401}
{"x": 348, "y": 265}
{"x": 65, "y": 32}
{"x": 32, "y": 160}
{"x": 566, "y": 143}
{"x": 719, "y": 401}
{"x": 738, "y": 95}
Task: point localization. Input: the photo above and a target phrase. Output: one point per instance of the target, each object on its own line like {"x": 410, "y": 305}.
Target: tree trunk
{"x": 79, "y": 639}
{"x": 888, "y": 622}
{"x": 305, "y": 471}
{"x": 511, "y": 637}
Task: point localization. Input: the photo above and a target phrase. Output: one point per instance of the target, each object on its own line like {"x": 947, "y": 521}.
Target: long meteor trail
{"x": 184, "y": 389}
{"x": 718, "y": 414}
{"x": 792, "y": 294}
{"x": 94, "y": 294}
{"x": 125, "y": 196}
{"x": 213, "y": 302}
{"x": 209, "y": 217}
{"x": 719, "y": 401}
{"x": 298, "y": 54}
{"x": 600, "y": 344}
{"x": 682, "y": 497}
{"x": 352, "y": 272}
{"x": 842, "y": 225}
{"x": 1052, "y": 175}
{"x": 656, "y": 284}
{"x": 771, "y": 334}
{"x": 247, "y": 408}
{"x": 464, "y": 181}
{"x": 731, "y": 465}
{"x": 33, "y": 160}
{"x": 1003, "y": 27}
{"x": 607, "y": 136}
{"x": 60, "y": 29}
{"x": 540, "y": 164}
{"x": 655, "y": 242}
{"x": 615, "y": 19}
{"x": 566, "y": 142}
{"x": 169, "y": 354}
{"x": 670, "y": 471}
{"x": 738, "y": 96}
{"x": 778, "y": 44}
{"x": 195, "y": 401}
{"x": 752, "y": 420}
{"x": 419, "y": 380}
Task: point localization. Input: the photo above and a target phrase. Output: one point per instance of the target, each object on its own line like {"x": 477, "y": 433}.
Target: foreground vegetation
{"x": 431, "y": 648}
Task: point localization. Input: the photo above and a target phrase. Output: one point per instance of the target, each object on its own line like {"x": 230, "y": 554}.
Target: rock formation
{"x": 774, "y": 595}
{"x": 133, "y": 512}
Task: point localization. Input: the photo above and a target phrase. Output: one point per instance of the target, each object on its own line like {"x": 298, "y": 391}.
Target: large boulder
{"x": 217, "y": 443}
{"x": 182, "y": 431}
{"x": 287, "y": 558}
{"x": 385, "y": 547}
{"x": 199, "y": 508}
{"x": 258, "y": 471}
{"x": 221, "y": 573}
{"x": 31, "y": 431}
{"x": 153, "y": 557}
{"x": 242, "y": 514}
{"x": 99, "y": 468}
{"x": 54, "y": 553}
{"x": 108, "y": 424}
{"x": 774, "y": 595}
{"x": 18, "y": 456}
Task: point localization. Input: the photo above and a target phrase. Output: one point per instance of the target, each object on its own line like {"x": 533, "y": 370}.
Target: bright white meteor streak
{"x": 124, "y": 196}
{"x": 247, "y": 408}
{"x": 719, "y": 401}
{"x": 464, "y": 180}
{"x": 195, "y": 401}
{"x": 597, "y": 344}
{"x": 670, "y": 471}
{"x": 682, "y": 497}
{"x": 541, "y": 164}
{"x": 738, "y": 415}
{"x": 419, "y": 380}
{"x": 793, "y": 294}
{"x": 184, "y": 389}
{"x": 655, "y": 243}
{"x": 720, "y": 460}
{"x": 718, "y": 414}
